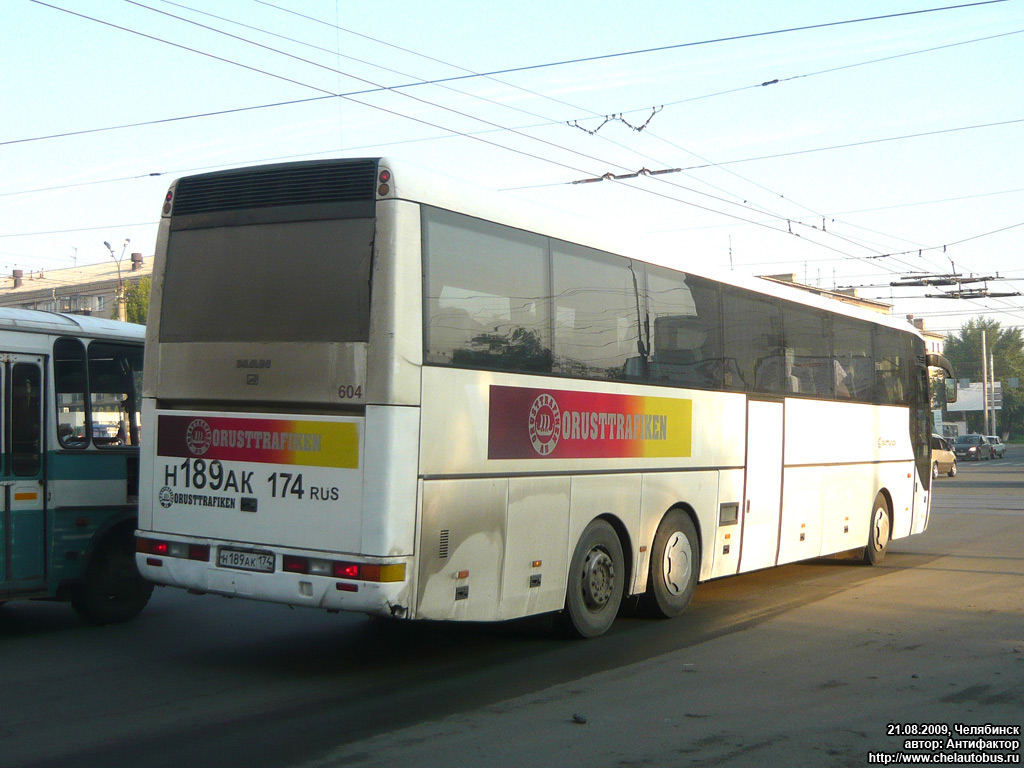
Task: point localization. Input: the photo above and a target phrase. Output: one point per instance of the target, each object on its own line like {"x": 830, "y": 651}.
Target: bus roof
{"x": 429, "y": 187}
{"x": 419, "y": 185}
{"x": 37, "y": 321}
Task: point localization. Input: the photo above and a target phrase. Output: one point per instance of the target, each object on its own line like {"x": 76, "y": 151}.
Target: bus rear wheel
{"x": 879, "y": 532}
{"x": 675, "y": 563}
{"x": 596, "y": 580}
{"x": 112, "y": 590}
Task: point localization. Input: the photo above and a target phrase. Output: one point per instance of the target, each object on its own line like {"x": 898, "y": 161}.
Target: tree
{"x": 136, "y": 299}
{"x": 1006, "y": 346}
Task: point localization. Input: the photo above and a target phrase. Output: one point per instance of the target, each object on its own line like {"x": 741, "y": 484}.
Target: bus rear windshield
{"x": 294, "y": 281}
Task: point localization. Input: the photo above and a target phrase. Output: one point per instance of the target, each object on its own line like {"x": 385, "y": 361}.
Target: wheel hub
{"x": 598, "y": 579}
{"x": 676, "y": 564}
{"x": 880, "y": 529}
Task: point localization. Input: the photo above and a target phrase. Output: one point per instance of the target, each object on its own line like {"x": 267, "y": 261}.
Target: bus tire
{"x": 112, "y": 590}
{"x": 596, "y": 582}
{"x": 879, "y": 532}
{"x": 675, "y": 565}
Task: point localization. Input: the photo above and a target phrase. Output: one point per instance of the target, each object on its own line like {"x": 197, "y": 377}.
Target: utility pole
{"x": 984, "y": 379}
{"x": 120, "y": 284}
{"x": 992, "y": 376}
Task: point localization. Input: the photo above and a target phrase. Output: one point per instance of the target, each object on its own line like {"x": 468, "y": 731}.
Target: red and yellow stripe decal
{"x": 528, "y": 423}
{"x": 266, "y": 441}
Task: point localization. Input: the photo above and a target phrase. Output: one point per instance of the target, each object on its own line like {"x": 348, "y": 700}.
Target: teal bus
{"x": 69, "y": 464}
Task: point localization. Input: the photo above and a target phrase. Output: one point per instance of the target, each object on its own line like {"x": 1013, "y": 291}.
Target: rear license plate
{"x": 245, "y": 560}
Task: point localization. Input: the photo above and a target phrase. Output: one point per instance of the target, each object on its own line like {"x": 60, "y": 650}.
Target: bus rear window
{"x": 303, "y": 281}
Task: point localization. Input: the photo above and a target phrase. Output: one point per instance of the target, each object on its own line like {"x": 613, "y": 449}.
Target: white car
{"x": 943, "y": 458}
{"x": 998, "y": 446}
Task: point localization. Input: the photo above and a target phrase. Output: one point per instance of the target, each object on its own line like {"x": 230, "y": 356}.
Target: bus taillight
{"x": 178, "y": 549}
{"x": 383, "y": 177}
{"x": 393, "y": 572}
{"x": 346, "y": 570}
{"x": 151, "y": 547}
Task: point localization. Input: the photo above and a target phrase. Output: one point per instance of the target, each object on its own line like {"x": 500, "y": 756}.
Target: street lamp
{"x": 120, "y": 284}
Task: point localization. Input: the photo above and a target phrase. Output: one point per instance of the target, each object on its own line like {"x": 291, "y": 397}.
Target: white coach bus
{"x": 368, "y": 390}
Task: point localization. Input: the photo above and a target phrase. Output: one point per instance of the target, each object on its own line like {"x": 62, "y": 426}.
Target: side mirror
{"x": 951, "y": 390}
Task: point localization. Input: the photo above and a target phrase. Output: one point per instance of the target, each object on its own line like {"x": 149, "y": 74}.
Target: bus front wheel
{"x": 675, "y": 563}
{"x": 111, "y": 589}
{"x": 879, "y": 532}
{"x": 596, "y": 579}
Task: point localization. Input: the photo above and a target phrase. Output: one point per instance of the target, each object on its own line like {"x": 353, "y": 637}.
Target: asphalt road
{"x": 770, "y": 664}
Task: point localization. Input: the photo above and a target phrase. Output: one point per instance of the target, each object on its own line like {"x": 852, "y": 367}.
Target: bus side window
{"x": 854, "y": 361}
{"x": 686, "y": 343}
{"x": 26, "y": 420}
{"x": 113, "y": 384}
{"x": 752, "y": 332}
{"x": 70, "y": 387}
{"x": 485, "y": 298}
{"x": 808, "y": 351}
{"x": 595, "y": 312}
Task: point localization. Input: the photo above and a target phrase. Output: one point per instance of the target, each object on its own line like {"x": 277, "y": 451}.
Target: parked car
{"x": 973, "y": 447}
{"x": 998, "y": 446}
{"x": 943, "y": 458}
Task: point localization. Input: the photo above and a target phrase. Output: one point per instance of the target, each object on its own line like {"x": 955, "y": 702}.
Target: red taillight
{"x": 294, "y": 564}
{"x": 346, "y": 570}
{"x": 173, "y": 549}
{"x": 151, "y": 547}
{"x": 383, "y": 187}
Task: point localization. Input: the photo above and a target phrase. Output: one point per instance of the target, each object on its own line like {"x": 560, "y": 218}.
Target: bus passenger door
{"x": 22, "y": 493}
{"x": 762, "y": 503}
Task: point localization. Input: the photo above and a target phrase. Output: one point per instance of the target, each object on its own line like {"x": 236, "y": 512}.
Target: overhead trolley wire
{"x": 675, "y": 46}
{"x": 462, "y": 113}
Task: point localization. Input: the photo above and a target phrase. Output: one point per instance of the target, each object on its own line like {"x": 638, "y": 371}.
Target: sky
{"x": 851, "y": 144}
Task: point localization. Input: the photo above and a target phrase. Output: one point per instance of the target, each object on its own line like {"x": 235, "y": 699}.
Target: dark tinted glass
{"x": 854, "y": 367}
{"x": 597, "y": 324}
{"x": 486, "y": 288}
{"x": 752, "y": 340}
{"x": 303, "y": 281}
{"x": 686, "y": 329}
{"x": 808, "y": 351}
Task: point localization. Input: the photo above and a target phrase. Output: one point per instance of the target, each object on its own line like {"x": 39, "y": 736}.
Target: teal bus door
{"x": 23, "y": 544}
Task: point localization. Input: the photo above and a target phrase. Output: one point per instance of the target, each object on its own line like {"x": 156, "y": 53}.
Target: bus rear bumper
{"x": 385, "y": 598}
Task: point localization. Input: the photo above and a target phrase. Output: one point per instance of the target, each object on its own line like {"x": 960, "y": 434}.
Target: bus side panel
{"x": 395, "y": 352}
{"x": 661, "y": 491}
{"x": 616, "y": 496}
{"x": 824, "y": 443}
{"x": 462, "y": 549}
{"x": 147, "y": 482}
{"x": 457, "y": 428}
{"x": 728, "y": 532}
{"x": 903, "y": 486}
{"x": 537, "y": 563}
{"x": 92, "y": 492}
{"x": 805, "y": 504}
{"x": 389, "y": 481}
{"x": 821, "y": 432}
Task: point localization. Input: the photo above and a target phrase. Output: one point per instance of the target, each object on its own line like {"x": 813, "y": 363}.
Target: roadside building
{"x": 81, "y": 290}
